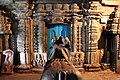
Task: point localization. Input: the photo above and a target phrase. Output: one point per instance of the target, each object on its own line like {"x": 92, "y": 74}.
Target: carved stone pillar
{"x": 7, "y": 25}
{"x": 3, "y": 21}
{"x": 6, "y": 41}
{"x": 30, "y": 58}
{"x": 27, "y": 40}
{"x": 1, "y": 44}
{"x": 77, "y": 36}
{"x": 39, "y": 26}
{"x": 44, "y": 35}
{"x": 0, "y": 22}
{"x": 92, "y": 33}
{"x": 93, "y": 42}
{"x": 1, "y": 49}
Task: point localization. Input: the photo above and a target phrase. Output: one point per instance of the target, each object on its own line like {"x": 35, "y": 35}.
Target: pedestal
{"x": 7, "y": 66}
{"x": 24, "y": 66}
{"x": 118, "y": 66}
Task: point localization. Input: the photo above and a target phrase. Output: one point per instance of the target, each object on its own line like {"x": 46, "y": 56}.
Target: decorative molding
{"x": 110, "y": 2}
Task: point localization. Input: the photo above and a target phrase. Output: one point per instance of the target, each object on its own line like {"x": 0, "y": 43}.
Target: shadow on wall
{"x": 101, "y": 46}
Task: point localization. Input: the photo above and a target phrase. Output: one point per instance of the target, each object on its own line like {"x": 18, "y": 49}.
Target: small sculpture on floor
{"x": 8, "y": 61}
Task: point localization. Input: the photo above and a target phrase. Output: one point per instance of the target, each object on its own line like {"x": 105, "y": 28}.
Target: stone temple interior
{"x": 27, "y": 28}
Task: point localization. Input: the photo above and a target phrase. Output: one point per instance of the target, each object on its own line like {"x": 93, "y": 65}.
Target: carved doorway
{"x": 56, "y": 30}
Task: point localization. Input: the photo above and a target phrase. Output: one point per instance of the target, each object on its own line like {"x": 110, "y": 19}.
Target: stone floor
{"x": 101, "y": 75}
{"x": 20, "y": 76}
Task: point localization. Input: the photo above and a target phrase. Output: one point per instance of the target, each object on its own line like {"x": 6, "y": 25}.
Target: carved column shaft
{"x": 3, "y": 21}
{"x": 1, "y": 44}
{"x": 0, "y": 22}
{"x": 39, "y": 31}
{"x": 31, "y": 40}
{"x": 6, "y": 37}
{"x": 28, "y": 44}
{"x": 44, "y": 35}
{"x": 94, "y": 36}
{"x": 77, "y": 37}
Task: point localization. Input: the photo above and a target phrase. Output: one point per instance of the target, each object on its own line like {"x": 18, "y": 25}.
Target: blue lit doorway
{"x": 56, "y": 30}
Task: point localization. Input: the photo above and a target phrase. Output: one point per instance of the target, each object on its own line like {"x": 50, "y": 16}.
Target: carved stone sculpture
{"x": 8, "y": 62}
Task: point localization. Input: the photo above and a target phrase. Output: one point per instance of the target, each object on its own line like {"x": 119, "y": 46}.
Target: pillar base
{"x": 23, "y": 68}
{"x": 118, "y": 66}
{"x": 92, "y": 67}
{"x": 37, "y": 69}
{"x": 7, "y": 69}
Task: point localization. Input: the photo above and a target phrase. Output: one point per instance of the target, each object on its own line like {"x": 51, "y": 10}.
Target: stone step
{"x": 92, "y": 67}
{"x": 105, "y": 66}
{"x": 23, "y": 68}
{"x": 37, "y": 70}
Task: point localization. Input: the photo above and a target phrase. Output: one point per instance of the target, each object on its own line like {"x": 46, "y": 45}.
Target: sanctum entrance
{"x": 56, "y": 30}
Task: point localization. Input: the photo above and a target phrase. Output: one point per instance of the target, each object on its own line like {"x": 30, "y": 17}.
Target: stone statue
{"x": 58, "y": 66}
{"x": 8, "y": 62}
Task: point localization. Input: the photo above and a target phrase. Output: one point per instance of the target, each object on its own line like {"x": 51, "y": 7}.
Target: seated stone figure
{"x": 58, "y": 66}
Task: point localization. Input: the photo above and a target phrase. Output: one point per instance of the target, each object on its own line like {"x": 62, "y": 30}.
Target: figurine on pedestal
{"x": 8, "y": 61}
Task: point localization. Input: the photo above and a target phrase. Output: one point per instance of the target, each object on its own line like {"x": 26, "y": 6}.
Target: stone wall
{"x": 88, "y": 41}
{"x": 85, "y": 30}
{"x": 19, "y": 11}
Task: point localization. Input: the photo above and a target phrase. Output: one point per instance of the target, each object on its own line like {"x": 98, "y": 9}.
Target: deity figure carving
{"x": 8, "y": 62}
{"x": 58, "y": 66}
